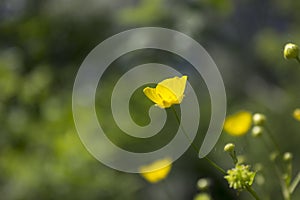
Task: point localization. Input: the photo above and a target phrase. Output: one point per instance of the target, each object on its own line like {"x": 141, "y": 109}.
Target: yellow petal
{"x": 152, "y": 95}
{"x": 239, "y": 123}
{"x": 156, "y": 98}
{"x": 157, "y": 170}
{"x": 172, "y": 89}
{"x": 296, "y": 114}
{"x": 167, "y": 96}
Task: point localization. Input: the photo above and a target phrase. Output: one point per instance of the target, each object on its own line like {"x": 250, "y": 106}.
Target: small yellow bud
{"x": 287, "y": 156}
{"x": 291, "y": 51}
{"x": 229, "y": 147}
{"x": 257, "y": 131}
{"x": 259, "y": 119}
{"x": 203, "y": 184}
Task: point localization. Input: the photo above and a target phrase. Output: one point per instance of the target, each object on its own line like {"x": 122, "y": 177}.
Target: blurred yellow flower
{"x": 157, "y": 170}
{"x": 168, "y": 92}
{"x": 238, "y": 124}
{"x": 296, "y": 114}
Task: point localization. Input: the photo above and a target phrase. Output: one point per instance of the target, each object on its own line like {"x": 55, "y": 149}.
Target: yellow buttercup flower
{"x": 296, "y": 114}
{"x": 168, "y": 92}
{"x": 157, "y": 170}
{"x": 238, "y": 124}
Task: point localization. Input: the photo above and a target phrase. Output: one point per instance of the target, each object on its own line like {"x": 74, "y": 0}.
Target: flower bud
{"x": 259, "y": 119}
{"x": 291, "y": 51}
{"x": 257, "y": 131}
{"x": 203, "y": 183}
{"x": 287, "y": 156}
{"x": 240, "y": 177}
{"x": 229, "y": 147}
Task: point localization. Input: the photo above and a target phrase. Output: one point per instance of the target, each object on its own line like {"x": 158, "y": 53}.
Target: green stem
{"x": 234, "y": 158}
{"x": 284, "y": 183}
{"x": 216, "y": 166}
{"x": 294, "y": 183}
{"x": 212, "y": 163}
{"x": 253, "y": 193}
{"x": 286, "y": 194}
{"x": 289, "y": 172}
{"x": 186, "y": 135}
{"x": 266, "y": 144}
{"x": 284, "y": 188}
{"x": 298, "y": 59}
{"x": 272, "y": 138}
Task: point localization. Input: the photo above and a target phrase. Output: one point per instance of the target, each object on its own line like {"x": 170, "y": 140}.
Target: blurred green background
{"x": 43, "y": 43}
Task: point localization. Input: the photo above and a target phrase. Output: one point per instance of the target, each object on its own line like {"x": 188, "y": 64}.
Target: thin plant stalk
{"x": 295, "y": 183}
{"x": 272, "y": 138}
{"x": 253, "y": 193}
{"x": 215, "y": 165}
